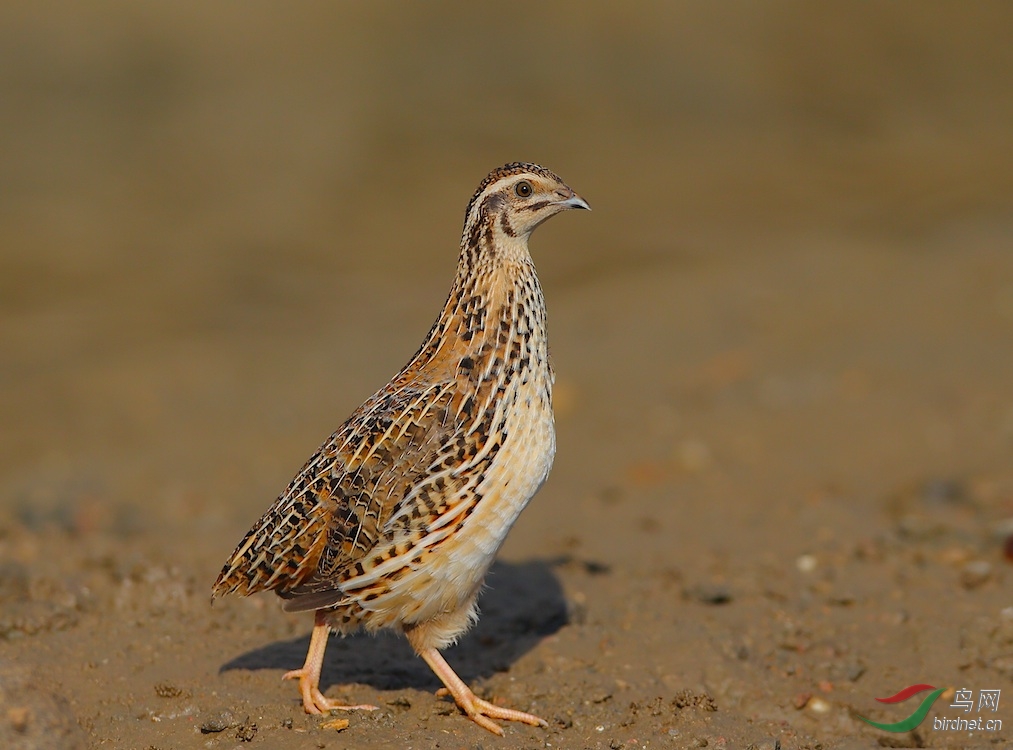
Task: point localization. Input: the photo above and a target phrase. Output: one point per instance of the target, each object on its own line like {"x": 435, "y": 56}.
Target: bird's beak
{"x": 572, "y": 200}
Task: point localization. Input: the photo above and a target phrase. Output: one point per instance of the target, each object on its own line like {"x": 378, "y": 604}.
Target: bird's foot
{"x": 315, "y": 702}
{"x": 483, "y": 712}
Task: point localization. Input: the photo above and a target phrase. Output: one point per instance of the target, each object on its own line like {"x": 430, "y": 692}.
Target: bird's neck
{"x": 495, "y": 299}
{"x": 495, "y": 283}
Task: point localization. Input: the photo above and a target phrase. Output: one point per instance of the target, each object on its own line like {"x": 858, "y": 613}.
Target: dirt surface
{"x": 784, "y": 479}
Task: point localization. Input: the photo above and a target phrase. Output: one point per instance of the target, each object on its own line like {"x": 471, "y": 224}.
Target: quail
{"x": 395, "y": 520}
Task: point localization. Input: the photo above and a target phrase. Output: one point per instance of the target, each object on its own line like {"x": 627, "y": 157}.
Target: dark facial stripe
{"x": 535, "y": 206}
{"x": 504, "y": 222}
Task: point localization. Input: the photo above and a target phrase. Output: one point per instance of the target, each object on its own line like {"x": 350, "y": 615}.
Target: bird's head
{"x": 514, "y": 199}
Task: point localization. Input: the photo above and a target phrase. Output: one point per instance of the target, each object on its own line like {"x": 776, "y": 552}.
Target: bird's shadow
{"x": 522, "y": 603}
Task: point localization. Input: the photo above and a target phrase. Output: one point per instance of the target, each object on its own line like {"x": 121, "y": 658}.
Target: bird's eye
{"x": 523, "y": 189}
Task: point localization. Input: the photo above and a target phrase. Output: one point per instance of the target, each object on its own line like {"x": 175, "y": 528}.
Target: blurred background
{"x": 783, "y": 333}
{"x": 223, "y": 226}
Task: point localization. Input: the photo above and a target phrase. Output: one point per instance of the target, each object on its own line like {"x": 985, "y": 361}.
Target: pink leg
{"x": 480, "y": 711}
{"x": 309, "y": 676}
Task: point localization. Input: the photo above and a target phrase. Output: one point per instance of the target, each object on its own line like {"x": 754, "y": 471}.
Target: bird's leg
{"x": 480, "y": 711}
{"x": 313, "y": 700}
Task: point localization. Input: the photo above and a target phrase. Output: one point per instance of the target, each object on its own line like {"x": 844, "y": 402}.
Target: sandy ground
{"x": 783, "y": 343}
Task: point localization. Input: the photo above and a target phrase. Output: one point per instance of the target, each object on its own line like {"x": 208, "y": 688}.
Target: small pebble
{"x": 801, "y": 700}
{"x": 806, "y": 563}
{"x": 218, "y": 723}
{"x": 213, "y": 726}
{"x": 818, "y": 706}
{"x": 18, "y": 717}
{"x": 714, "y": 594}
{"x": 975, "y": 573}
{"x": 854, "y": 672}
